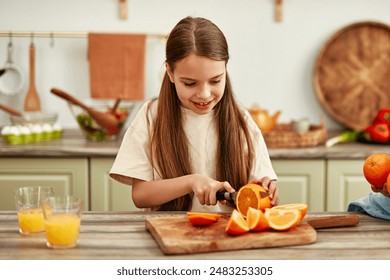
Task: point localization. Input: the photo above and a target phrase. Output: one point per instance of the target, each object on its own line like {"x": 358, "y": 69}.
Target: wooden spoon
{"x": 32, "y": 102}
{"x": 104, "y": 119}
{"x": 10, "y": 110}
{"x": 116, "y": 105}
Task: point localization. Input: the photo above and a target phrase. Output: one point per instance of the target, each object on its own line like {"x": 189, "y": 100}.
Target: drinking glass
{"x": 62, "y": 221}
{"x": 28, "y": 208}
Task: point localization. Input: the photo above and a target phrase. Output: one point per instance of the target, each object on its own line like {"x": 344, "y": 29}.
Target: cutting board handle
{"x": 332, "y": 221}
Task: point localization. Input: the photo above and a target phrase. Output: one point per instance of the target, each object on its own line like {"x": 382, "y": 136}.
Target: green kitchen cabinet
{"x": 301, "y": 181}
{"x": 345, "y": 183}
{"x": 107, "y": 194}
{"x": 68, "y": 176}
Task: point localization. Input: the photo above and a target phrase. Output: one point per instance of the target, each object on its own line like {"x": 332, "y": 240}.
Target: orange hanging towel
{"x": 117, "y": 65}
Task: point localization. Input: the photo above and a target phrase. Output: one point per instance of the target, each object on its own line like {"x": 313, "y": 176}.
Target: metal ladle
{"x": 104, "y": 119}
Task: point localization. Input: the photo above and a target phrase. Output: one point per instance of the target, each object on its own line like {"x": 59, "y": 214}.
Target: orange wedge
{"x": 237, "y": 224}
{"x": 249, "y": 196}
{"x": 256, "y": 220}
{"x": 281, "y": 219}
{"x": 202, "y": 219}
{"x": 300, "y": 206}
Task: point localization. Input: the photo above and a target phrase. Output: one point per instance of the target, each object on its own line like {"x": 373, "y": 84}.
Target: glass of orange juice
{"x": 28, "y": 208}
{"x": 62, "y": 221}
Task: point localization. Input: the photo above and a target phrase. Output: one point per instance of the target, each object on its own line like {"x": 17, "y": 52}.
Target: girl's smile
{"x": 199, "y": 81}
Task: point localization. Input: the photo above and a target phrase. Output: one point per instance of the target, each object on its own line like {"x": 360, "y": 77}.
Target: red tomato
{"x": 378, "y": 132}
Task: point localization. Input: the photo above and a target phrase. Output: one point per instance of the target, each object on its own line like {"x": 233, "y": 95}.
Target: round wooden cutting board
{"x": 352, "y": 73}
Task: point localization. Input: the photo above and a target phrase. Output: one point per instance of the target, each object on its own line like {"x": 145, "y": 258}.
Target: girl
{"x": 194, "y": 140}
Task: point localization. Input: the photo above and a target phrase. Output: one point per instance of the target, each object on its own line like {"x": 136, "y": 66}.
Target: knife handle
{"x": 224, "y": 196}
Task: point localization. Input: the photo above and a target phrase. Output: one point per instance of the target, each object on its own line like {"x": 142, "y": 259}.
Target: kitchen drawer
{"x": 66, "y": 176}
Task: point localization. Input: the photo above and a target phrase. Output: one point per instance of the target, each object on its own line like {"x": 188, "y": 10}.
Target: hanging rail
{"x": 62, "y": 34}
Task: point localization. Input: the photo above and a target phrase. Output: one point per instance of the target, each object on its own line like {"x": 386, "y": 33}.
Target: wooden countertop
{"x": 122, "y": 235}
{"x": 73, "y": 144}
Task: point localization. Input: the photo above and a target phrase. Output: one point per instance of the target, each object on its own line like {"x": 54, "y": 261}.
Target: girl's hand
{"x": 270, "y": 186}
{"x": 205, "y": 189}
{"x": 381, "y": 190}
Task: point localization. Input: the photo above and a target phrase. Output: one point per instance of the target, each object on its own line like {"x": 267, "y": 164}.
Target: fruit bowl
{"x": 91, "y": 130}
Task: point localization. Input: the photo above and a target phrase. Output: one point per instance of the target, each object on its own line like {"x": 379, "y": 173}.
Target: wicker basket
{"x": 282, "y": 136}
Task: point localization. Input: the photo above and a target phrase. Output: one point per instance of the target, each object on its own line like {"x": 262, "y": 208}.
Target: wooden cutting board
{"x": 176, "y": 235}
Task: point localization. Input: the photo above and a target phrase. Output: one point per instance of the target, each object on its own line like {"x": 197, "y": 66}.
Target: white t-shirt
{"x": 133, "y": 158}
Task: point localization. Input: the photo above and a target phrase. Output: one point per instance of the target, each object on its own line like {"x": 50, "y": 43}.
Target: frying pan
{"x": 12, "y": 80}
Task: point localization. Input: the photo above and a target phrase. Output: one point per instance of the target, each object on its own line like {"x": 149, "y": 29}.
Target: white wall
{"x": 271, "y": 63}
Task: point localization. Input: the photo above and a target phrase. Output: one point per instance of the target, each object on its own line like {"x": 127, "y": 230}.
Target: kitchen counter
{"x": 122, "y": 235}
{"x": 73, "y": 144}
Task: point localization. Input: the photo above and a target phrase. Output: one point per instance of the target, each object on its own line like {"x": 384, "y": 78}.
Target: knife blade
{"x": 233, "y": 196}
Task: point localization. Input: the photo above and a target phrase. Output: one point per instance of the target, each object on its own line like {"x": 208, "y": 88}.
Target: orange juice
{"x": 62, "y": 231}
{"x": 31, "y": 220}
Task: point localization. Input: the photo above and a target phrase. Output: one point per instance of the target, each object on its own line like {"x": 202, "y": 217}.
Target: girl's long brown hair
{"x": 169, "y": 144}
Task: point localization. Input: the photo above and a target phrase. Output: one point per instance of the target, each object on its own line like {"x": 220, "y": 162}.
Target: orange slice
{"x": 202, "y": 219}
{"x": 300, "y": 206}
{"x": 204, "y": 214}
{"x": 281, "y": 219}
{"x": 249, "y": 196}
{"x": 237, "y": 224}
{"x": 256, "y": 220}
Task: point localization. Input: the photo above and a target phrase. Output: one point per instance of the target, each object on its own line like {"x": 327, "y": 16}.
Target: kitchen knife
{"x": 233, "y": 196}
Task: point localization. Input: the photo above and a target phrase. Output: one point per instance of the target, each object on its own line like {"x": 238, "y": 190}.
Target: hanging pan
{"x": 11, "y": 80}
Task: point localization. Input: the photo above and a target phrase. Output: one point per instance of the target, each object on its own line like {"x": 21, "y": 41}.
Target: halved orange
{"x": 202, "y": 219}
{"x": 256, "y": 220}
{"x": 300, "y": 206}
{"x": 237, "y": 224}
{"x": 249, "y": 196}
{"x": 282, "y": 219}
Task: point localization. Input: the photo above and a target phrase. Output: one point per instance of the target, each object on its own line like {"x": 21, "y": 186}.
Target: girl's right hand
{"x": 205, "y": 189}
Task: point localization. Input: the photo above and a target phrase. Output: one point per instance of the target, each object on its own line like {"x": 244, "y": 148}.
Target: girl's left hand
{"x": 381, "y": 190}
{"x": 270, "y": 186}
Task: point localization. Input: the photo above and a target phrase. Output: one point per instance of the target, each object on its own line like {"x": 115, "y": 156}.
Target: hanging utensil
{"x": 10, "y": 110}
{"x": 104, "y": 119}
{"x": 32, "y": 102}
{"x": 12, "y": 80}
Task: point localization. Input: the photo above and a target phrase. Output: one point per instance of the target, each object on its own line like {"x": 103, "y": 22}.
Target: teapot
{"x": 263, "y": 120}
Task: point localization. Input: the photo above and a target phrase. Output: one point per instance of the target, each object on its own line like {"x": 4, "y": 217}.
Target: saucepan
{"x": 11, "y": 79}
{"x": 24, "y": 118}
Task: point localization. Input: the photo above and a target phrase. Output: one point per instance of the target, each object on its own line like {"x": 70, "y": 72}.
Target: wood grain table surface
{"x": 122, "y": 235}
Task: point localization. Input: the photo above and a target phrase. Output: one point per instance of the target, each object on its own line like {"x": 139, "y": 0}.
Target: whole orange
{"x": 376, "y": 169}
{"x": 388, "y": 183}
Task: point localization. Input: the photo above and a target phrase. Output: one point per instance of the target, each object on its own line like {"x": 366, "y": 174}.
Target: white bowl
{"x": 34, "y": 118}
